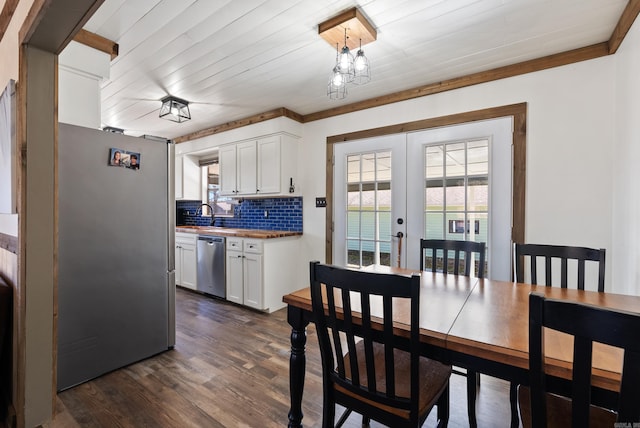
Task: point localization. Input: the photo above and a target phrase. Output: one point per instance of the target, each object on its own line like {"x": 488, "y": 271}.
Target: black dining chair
{"x": 363, "y": 367}
{"x": 541, "y": 409}
{"x": 457, "y": 257}
{"x": 531, "y": 257}
{"x": 546, "y": 254}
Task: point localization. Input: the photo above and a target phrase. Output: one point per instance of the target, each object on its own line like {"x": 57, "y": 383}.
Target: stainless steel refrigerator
{"x": 116, "y": 283}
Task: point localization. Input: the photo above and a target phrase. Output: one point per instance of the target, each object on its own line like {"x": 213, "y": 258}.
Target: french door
{"x": 370, "y": 201}
{"x": 452, "y": 182}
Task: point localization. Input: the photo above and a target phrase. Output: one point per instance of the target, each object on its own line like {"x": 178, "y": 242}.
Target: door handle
{"x": 399, "y": 235}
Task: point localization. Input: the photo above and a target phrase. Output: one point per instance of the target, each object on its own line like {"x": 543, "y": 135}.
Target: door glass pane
{"x": 455, "y": 194}
{"x": 434, "y": 226}
{"x": 455, "y": 159}
{"x": 353, "y": 252}
{"x": 368, "y": 167}
{"x": 434, "y": 195}
{"x": 434, "y": 162}
{"x": 480, "y": 230}
{"x": 353, "y": 169}
{"x": 368, "y": 224}
{"x": 478, "y": 157}
{"x": 353, "y": 196}
{"x": 478, "y": 194}
{"x": 384, "y": 196}
{"x": 369, "y": 208}
{"x": 353, "y": 224}
{"x": 383, "y": 166}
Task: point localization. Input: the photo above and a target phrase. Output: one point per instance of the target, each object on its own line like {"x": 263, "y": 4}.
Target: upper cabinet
{"x": 265, "y": 166}
{"x": 187, "y": 176}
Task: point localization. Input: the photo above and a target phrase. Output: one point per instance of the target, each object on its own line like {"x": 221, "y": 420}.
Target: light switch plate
{"x": 321, "y": 202}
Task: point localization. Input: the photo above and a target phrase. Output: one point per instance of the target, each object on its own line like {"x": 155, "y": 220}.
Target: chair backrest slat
{"x": 549, "y": 253}
{"x": 352, "y": 304}
{"x": 462, "y": 251}
{"x": 588, "y": 324}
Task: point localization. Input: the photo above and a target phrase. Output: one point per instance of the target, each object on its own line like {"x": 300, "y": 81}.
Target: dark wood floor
{"x": 229, "y": 368}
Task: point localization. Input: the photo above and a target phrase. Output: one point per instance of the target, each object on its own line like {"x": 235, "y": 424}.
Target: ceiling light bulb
{"x": 360, "y": 62}
{"x": 345, "y": 58}
{"x": 337, "y": 79}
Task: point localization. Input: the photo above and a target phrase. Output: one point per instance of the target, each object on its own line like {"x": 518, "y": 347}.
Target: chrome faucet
{"x": 213, "y": 216}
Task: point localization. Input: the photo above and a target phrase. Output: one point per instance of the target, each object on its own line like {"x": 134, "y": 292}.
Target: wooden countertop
{"x": 241, "y": 233}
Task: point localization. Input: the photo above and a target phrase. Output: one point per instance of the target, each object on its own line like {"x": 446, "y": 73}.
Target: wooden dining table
{"x": 482, "y": 325}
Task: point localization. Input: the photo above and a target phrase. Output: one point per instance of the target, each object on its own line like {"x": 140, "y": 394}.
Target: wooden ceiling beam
{"x": 8, "y": 10}
{"x": 98, "y": 42}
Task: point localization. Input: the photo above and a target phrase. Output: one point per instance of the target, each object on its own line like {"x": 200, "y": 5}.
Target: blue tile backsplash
{"x": 282, "y": 214}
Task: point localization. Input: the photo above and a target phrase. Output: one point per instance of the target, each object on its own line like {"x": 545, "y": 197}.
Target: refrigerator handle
{"x": 171, "y": 205}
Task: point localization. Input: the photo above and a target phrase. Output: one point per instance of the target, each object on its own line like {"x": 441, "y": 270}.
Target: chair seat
{"x": 559, "y": 411}
{"x": 434, "y": 377}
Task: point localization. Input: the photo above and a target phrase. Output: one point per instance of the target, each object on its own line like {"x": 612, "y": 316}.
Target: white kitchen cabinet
{"x": 264, "y": 166}
{"x": 259, "y": 271}
{"x": 269, "y": 166}
{"x": 238, "y": 169}
{"x": 244, "y": 272}
{"x": 246, "y": 173}
{"x": 228, "y": 170}
{"x": 186, "y": 259}
{"x": 234, "y": 271}
{"x": 188, "y": 178}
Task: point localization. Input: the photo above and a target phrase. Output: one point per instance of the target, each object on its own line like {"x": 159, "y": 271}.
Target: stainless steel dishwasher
{"x": 211, "y": 274}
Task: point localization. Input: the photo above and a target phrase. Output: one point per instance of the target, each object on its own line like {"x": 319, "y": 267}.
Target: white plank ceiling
{"x": 232, "y": 59}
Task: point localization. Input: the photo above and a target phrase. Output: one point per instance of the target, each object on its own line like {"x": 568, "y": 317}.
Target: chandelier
{"x": 348, "y": 70}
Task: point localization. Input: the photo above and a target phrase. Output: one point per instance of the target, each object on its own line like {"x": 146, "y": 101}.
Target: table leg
{"x": 297, "y": 363}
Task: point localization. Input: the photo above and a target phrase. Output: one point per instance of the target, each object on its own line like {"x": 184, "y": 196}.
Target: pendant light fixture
{"x": 345, "y": 62}
{"x": 175, "y": 109}
{"x": 361, "y": 67}
{"x": 353, "y": 29}
{"x": 337, "y": 87}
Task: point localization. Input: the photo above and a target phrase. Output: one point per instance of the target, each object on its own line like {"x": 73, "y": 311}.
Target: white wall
{"x": 625, "y": 147}
{"x": 81, "y": 70}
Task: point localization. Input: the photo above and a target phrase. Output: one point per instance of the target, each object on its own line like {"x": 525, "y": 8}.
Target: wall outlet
{"x": 266, "y": 213}
{"x": 321, "y": 202}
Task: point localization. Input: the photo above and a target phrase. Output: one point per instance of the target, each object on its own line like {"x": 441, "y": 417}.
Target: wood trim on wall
{"x": 261, "y": 117}
{"x": 517, "y": 111}
{"x": 624, "y": 24}
{"x": 19, "y": 297}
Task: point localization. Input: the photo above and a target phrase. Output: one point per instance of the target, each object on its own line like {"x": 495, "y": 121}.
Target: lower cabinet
{"x": 244, "y": 272}
{"x": 186, "y": 259}
{"x": 259, "y": 271}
